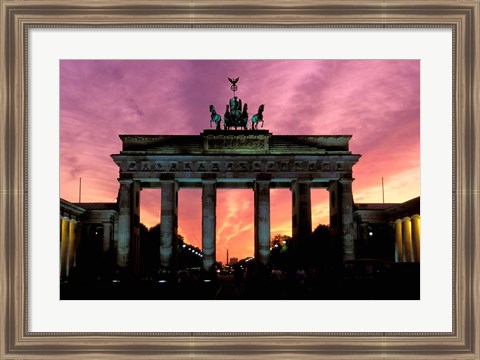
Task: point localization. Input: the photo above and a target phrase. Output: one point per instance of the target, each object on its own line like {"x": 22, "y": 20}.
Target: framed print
{"x": 116, "y": 93}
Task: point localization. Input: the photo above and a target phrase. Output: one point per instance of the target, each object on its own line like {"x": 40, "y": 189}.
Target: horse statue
{"x": 215, "y": 118}
{"x": 226, "y": 117}
{"x": 258, "y": 117}
{"x": 243, "y": 119}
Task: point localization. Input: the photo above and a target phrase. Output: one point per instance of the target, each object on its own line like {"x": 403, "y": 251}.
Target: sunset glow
{"x": 375, "y": 101}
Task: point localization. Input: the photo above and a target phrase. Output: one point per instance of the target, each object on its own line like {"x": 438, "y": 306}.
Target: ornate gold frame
{"x": 463, "y": 16}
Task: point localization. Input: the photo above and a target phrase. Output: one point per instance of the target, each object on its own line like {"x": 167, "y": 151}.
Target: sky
{"x": 375, "y": 101}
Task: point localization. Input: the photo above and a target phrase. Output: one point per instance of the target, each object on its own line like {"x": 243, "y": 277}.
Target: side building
{"x": 388, "y": 231}
{"x": 88, "y": 239}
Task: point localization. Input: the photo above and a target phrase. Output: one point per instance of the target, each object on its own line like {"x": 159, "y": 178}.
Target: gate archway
{"x": 251, "y": 159}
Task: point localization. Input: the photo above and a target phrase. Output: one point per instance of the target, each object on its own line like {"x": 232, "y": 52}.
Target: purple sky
{"x": 376, "y": 101}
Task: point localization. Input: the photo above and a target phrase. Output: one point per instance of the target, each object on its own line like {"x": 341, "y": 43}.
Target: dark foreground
{"x": 400, "y": 282}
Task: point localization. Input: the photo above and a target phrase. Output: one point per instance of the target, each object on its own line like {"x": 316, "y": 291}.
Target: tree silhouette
{"x": 189, "y": 256}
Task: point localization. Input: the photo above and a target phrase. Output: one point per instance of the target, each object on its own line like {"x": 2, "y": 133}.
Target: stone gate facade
{"x": 247, "y": 159}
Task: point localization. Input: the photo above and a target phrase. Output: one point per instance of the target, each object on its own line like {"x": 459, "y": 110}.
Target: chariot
{"x": 235, "y": 116}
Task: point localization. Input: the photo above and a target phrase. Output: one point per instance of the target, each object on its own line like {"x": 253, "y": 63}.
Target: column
{"x": 398, "y": 241}
{"x": 124, "y": 222}
{"x": 209, "y": 221}
{"x": 106, "y": 257}
{"x": 334, "y": 209}
{"x": 407, "y": 239}
{"x": 262, "y": 220}
{"x": 346, "y": 203}
{"x": 416, "y": 237}
{"x": 135, "y": 237}
{"x": 71, "y": 245}
{"x": 107, "y": 230}
{"x": 301, "y": 212}
{"x": 363, "y": 239}
{"x": 168, "y": 222}
{"x": 115, "y": 235}
{"x": 78, "y": 240}
{"x": 64, "y": 245}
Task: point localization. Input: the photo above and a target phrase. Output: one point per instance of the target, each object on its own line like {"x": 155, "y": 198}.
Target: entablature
{"x": 236, "y": 167}
{"x": 234, "y": 142}
{"x": 235, "y": 158}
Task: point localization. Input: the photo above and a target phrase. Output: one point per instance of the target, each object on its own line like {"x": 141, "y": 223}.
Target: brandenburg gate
{"x": 233, "y": 159}
{"x": 237, "y": 159}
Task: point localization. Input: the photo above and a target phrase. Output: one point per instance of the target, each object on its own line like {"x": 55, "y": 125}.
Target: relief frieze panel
{"x": 235, "y": 143}
{"x": 145, "y": 166}
{"x": 326, "y": 166}
{"x": 241, "y": 166}
{"x": 173, "y": 167}
{"x": 215, "y": 167}
{"x": 132, "y": 166}
{"x": 159, "y": 166}
{"x": 283, "y": 166}
{"x": 202, "y": 167}
{"x": 299, "y": 166}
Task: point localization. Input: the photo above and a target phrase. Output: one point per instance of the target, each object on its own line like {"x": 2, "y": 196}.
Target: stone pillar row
{"x": 68, "y": 240}
{"x": 341, "y": 193}
{"x": 407, "y": 239}
{"x": 168, "y": 227}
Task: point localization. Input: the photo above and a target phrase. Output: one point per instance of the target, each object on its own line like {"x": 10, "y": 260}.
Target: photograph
{"x": 239, "y": 180}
